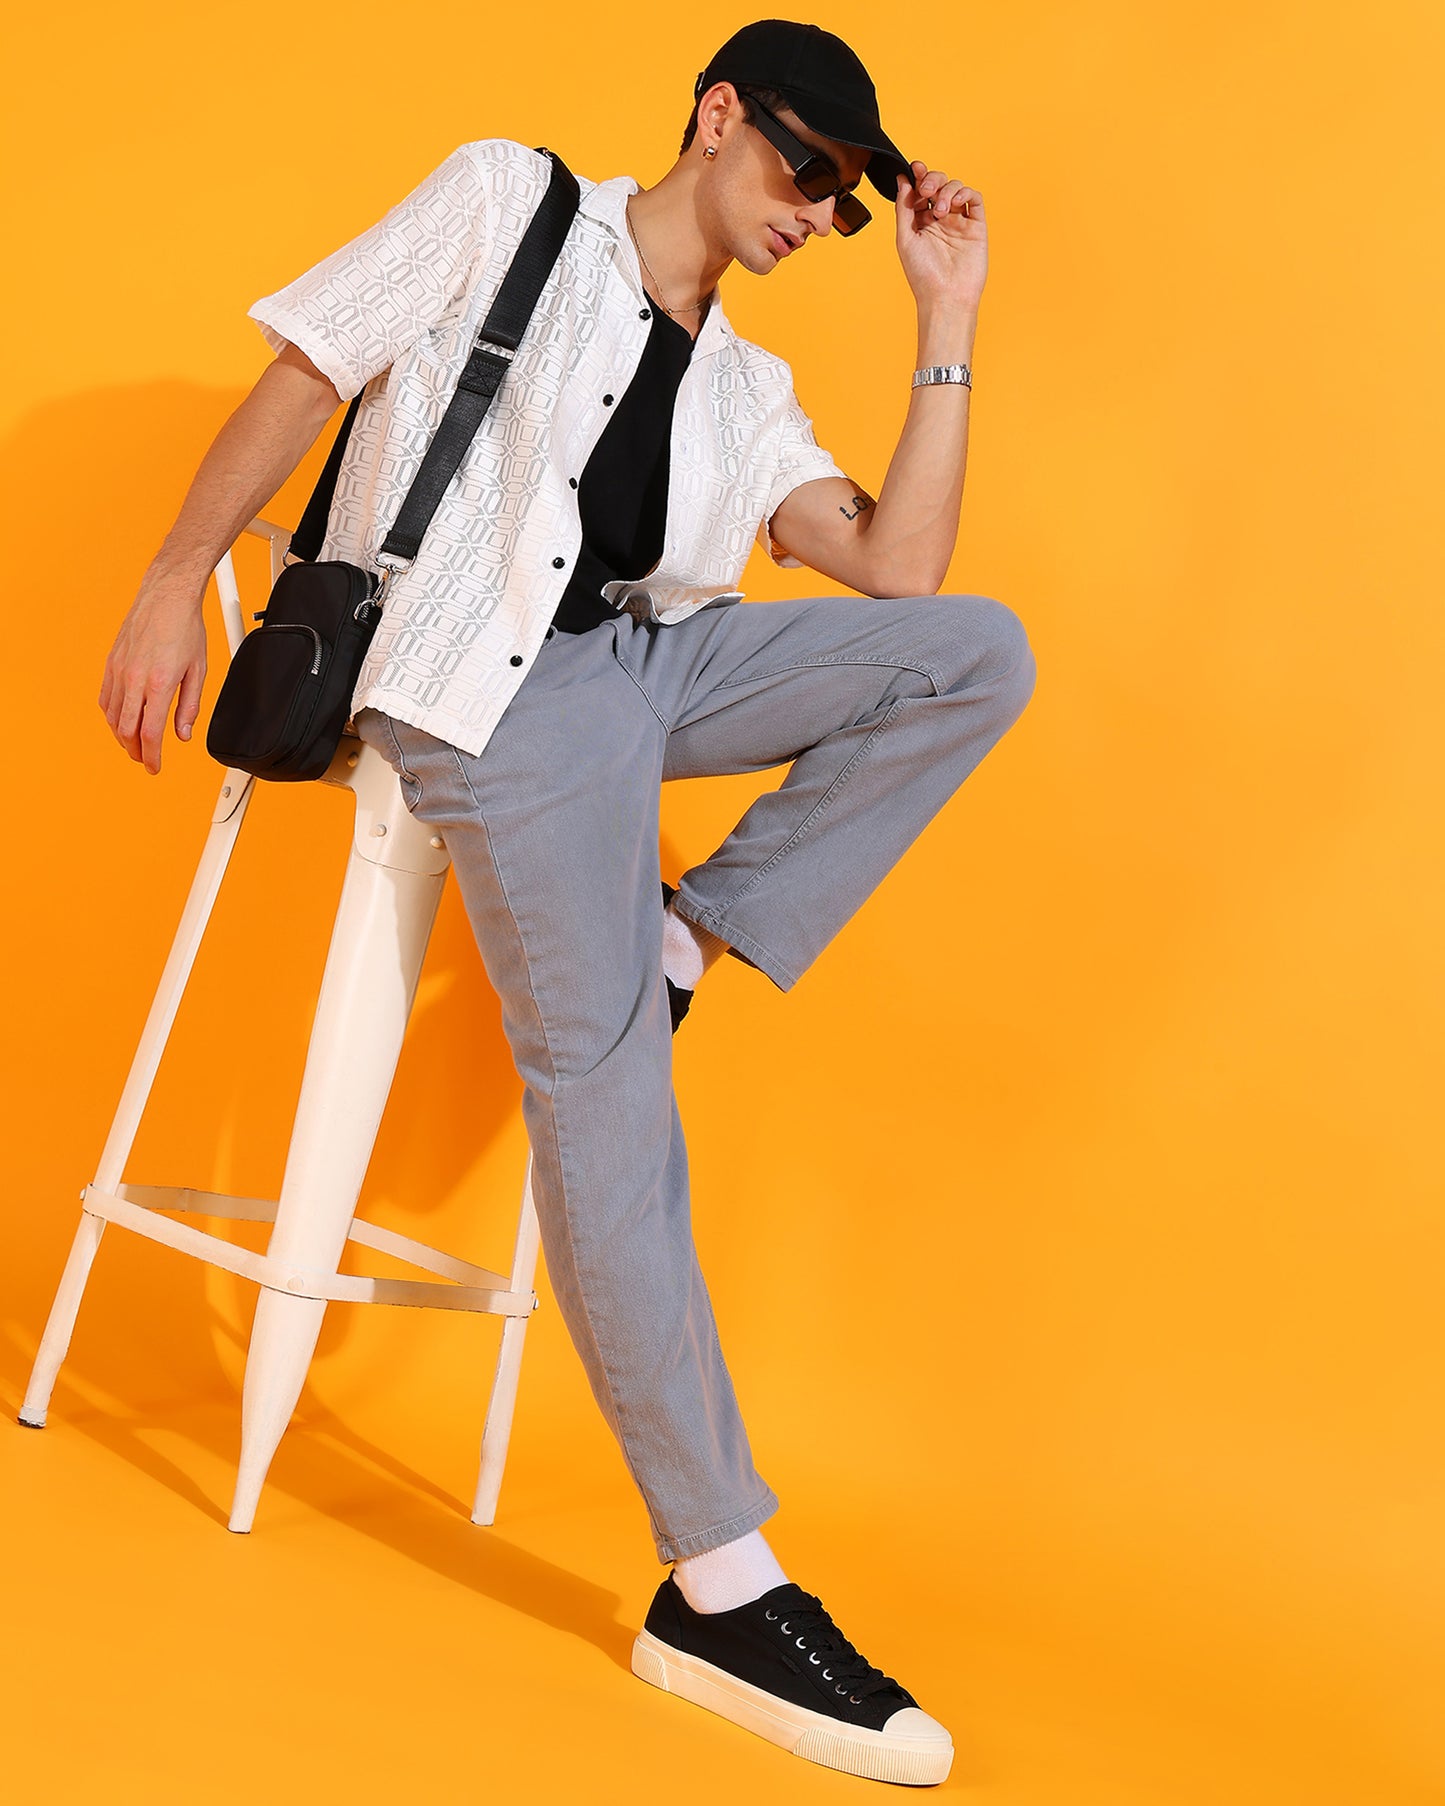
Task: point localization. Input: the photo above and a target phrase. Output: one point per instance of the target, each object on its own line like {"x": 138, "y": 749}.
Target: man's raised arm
{"x": 901, "y": 544}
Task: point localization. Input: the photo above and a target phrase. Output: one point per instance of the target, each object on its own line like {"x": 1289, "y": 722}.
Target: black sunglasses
{"x": 813, "y": 173}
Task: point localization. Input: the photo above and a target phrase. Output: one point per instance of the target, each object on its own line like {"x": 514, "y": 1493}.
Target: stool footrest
{"x": 466, "y": 1288}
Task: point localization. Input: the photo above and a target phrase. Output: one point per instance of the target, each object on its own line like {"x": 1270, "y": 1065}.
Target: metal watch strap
{"x": 943, "y": 373}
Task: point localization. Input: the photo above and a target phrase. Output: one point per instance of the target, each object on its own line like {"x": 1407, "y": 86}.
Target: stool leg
{"x": 226, "y": 821}
{"x": 60, "y": 1324}
{"x": 498, "y": 1429}
{"x": 382, "y": 928}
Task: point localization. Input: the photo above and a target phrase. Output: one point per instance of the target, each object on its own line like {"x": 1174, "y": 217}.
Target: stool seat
{"x": 395, "y": 873}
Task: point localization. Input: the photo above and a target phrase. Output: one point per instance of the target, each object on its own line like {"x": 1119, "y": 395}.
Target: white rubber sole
{"x": 919, "y": 1760}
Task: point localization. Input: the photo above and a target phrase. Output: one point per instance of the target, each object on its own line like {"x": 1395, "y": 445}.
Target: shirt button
{"x": 646, "y": 314}
{"x": 516, "y": 658}
{"x": 607, "y": 401}
{"x": 557, "y": 563}
{"x": 572, "y": 481}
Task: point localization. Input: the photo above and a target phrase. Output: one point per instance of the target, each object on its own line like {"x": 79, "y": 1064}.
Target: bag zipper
{"x": 316, "y": 662}
{"x": 305, "y": 627}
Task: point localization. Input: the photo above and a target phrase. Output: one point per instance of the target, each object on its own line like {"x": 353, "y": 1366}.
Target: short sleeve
{"x": 800, "y": 458}
{"x": 358, "y": 309}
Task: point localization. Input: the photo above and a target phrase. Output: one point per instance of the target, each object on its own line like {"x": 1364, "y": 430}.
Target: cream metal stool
{"x": 394, "y": 879}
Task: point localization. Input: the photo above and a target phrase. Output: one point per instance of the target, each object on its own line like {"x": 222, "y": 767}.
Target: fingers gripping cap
{"x": 825, "y": 83}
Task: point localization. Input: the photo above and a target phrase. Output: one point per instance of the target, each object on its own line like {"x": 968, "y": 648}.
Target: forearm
{"x": 914, "y": 523}
{"x": 251, "y": 457}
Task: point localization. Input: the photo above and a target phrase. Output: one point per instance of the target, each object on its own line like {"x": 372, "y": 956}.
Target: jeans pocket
{"x": 410, "y": 783}
{"x": 390, "y": 747}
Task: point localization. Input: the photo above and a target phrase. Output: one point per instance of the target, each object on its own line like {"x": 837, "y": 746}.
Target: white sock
{"x": 687, "y": 950}
{"x": 719, "y": 1579}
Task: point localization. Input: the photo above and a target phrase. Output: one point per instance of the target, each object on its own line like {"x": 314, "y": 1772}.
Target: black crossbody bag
{"x": 286, "y": 696}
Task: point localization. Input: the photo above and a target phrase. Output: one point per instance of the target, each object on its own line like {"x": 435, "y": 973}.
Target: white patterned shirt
{"x": 396, "y": 313}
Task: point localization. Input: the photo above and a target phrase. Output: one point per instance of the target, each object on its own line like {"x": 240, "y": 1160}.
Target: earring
{"x": 711, "y": 151}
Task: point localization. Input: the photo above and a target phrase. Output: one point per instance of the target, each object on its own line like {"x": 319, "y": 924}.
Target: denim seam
{"x": 784, "y": 977}
{"x": 674, "y": 1548}
{"x": 803, "y": 826}
{"x": 403, "y": 769}
{"x": 617, "y": 654}
{"x": 556, "y": 1138}
{"x": 824, "y": 660}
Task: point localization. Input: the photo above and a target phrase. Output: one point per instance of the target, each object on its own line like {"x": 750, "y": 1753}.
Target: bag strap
{"x": 305, "y": 542}
{"x": 497, "y": 340}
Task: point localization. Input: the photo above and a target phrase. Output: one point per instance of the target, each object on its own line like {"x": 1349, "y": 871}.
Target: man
{"x": 568, "y": 639}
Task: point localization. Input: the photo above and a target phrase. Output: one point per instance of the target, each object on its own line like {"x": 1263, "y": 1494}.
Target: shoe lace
{"x": 811, "y": 1629}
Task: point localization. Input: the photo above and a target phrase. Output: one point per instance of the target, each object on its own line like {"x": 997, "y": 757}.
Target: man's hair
{"x": 747, "y": 92}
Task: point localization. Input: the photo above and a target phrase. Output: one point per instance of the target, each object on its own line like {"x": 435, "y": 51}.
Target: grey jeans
{"x": 882, "y": 708}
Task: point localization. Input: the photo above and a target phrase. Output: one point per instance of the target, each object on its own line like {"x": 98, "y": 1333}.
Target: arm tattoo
{"x": 863, "y": 501}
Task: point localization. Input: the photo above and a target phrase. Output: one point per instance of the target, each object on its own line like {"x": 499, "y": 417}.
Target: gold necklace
{"x": 671, "y": 312}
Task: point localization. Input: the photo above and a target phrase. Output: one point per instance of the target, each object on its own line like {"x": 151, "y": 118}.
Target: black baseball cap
{"x": 825, "y": 85}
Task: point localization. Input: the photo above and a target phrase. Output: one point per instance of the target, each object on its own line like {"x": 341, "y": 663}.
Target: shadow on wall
{"x": 97, "y": 479}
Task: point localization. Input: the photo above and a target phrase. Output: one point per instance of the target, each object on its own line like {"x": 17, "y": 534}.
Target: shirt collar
{"x": 606, "y": 202}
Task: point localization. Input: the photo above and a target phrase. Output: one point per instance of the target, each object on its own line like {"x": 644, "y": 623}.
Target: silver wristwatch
{"x": 944, "y": 373}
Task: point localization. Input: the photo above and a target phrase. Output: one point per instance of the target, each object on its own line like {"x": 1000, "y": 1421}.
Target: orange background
{"x": 1074, "y": 1226}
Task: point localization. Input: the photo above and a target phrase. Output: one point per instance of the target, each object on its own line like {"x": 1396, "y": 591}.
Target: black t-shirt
{"x": 622, "y": 492}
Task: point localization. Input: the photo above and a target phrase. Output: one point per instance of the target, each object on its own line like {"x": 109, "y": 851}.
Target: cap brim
{"x": 847, "y": 127}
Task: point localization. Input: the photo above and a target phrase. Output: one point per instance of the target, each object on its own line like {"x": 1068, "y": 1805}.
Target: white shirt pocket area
{"x": 463, "y": 623}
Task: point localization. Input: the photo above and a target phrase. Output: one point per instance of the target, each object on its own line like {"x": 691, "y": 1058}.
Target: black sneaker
{"x": 678, "y": 1000}
{"x": 781, "y": 1667}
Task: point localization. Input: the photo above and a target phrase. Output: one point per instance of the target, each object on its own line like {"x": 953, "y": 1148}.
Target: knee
{"x": 995, "y": 649}
{"x": 1023, "y": 671}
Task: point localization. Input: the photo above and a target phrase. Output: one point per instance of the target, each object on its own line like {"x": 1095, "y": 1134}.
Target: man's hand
{"x": 162, "y": 641}
{"x": 161, "y": 645}
{"x": 942, "y": 238}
